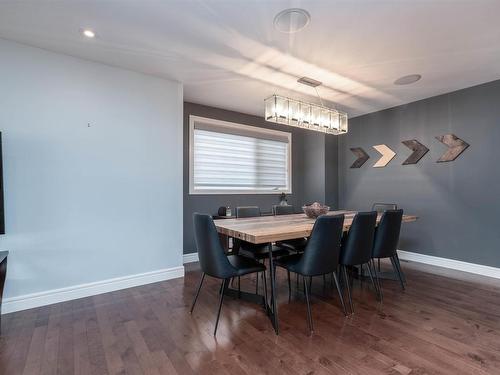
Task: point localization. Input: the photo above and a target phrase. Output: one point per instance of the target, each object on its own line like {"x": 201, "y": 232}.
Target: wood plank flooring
{"x": 446, "y": 322}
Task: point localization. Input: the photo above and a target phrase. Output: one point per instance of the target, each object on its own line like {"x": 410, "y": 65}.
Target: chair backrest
{"x": 283, "y": 210}
{"x": 381, "y": 207}
{"x": 211, "y": 255}
{"x": 321, "y": 255}
{"x": 247, "y": 211}
{"x": 358, "y": 244}
{"x": 387, "y": 234}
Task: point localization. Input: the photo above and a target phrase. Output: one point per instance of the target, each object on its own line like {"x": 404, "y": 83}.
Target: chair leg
{"x": 310, "y": 283}
{"x": 370, "y": 273}
{"x": 309, "y": 317}
{"x": 239, "y": 287}
{"x": 347, "y": 283}
{"x": 377, "y": 279}
{"x": 289, "y": 286}
{"x": 400, "y": 269}
{"x": 257, "y": 285}
{"x": 197, "y": 292}
{"x": 265, "y": 288}
{"x": 395, "y": 265}
{"x": 225, "y": 283}
{"x": 334, "y": 277}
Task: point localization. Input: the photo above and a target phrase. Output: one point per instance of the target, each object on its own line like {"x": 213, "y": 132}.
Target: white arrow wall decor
{"x": 387, "y": 156}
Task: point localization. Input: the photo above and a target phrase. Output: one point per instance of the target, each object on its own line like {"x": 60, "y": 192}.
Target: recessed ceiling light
{"x": 291, "y": 20}
{"x": 88, "y": 33}
{"x": 409, "y": 79}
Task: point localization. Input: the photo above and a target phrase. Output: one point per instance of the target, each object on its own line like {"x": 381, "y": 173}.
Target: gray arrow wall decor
{"x": 419, "y": 150}
{"x": 361, "y": 155}
{"x": 455, "y": 147}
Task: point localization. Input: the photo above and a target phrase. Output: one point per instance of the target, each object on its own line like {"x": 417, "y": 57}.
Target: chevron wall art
{"x": 419, "y": 150}
{"x": 456, "y": 147}
{"x": 387, "y": 156}
{"x": 361, "y": 155}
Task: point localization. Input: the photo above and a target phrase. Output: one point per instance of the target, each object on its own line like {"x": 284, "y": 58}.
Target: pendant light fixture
{"x": 301, "y": 114}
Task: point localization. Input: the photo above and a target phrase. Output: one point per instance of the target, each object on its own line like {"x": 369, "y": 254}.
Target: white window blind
{"x": 228, "y": 158}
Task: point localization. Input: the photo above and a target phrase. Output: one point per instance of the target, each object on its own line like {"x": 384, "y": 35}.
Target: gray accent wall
{"x": 457, "y": 202}
{"x": 311, "y": 173}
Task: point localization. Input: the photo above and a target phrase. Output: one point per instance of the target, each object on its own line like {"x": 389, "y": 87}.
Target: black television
{"x": 2, "y": 216}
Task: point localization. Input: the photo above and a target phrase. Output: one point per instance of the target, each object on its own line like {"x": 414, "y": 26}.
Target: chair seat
{"x": 289, "y": 262}
{"x": 262, "y": 251}
{"x": 297, "y": 244}
{"x": 245, "y": 265}
{"x": 252, "y": 248}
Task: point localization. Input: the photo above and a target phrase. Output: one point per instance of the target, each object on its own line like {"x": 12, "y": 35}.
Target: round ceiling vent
{"x": 291, "y": 20}
{"x": 407, "y": 80}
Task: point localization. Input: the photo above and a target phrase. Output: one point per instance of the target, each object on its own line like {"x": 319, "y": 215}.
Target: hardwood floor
{"x": 446, "y": 322}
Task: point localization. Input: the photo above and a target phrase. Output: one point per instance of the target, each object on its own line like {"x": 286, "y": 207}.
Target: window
{"x": 229, "y": 158}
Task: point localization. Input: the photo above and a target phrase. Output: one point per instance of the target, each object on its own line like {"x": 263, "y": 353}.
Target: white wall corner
{"x": 453, "y": 264}
{"x": 29, "y": 301}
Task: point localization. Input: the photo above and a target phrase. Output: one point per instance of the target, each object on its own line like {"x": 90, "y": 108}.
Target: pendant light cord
{"x": 320, "y": 100}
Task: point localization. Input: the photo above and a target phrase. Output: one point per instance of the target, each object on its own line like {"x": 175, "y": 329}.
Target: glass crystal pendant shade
{"x": 299, "y": 114}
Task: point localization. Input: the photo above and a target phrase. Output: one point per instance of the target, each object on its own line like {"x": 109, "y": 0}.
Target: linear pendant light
{"x": 299, "y": 114}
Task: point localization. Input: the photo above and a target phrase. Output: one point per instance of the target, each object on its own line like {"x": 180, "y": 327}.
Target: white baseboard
{"x": 190, "y": 258}
{"x": 451, "y": 263}
{"x": 420, "y": 258}
{"x": 49, "y": 297}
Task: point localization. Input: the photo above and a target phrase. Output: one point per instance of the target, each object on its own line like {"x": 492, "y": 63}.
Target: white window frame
{"x": 253, "y": 129}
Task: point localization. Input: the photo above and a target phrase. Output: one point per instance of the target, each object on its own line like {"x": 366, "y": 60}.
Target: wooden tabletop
{"x": 265, "y": 229}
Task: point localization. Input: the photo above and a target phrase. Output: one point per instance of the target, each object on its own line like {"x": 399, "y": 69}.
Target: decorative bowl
{"x": 314, "y": 210}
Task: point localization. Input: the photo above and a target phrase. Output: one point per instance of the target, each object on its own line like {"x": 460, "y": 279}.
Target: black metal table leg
{"x": 245, "y": 296}
{"x": 274, "y": 315}
{"x": 271, "y": 308}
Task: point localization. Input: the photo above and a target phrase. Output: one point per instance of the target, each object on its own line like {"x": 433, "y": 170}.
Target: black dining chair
{"x": 381, "y": 208}
{"x": 259, "y": 252}
{"x": 283, "y": 209}
{"x": 386, "y": 243}
{"x": 215, "y": 263}
{"x": 296, "y": 245}
{"x": 256, "y": 251}
{"x": 321, "y": 257}
{"x": 357, "y": 247}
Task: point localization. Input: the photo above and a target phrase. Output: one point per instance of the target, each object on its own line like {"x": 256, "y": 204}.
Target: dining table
{"x": 270, "y": 229}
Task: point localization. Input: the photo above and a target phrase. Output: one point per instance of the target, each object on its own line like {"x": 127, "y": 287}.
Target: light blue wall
{"x": 85, "y": 204}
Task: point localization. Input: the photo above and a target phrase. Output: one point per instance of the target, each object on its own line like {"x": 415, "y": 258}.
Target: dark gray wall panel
{"x": 313, "y": 173}
{"x": 332, "y": 170}
{"x": 310, "y": 171}
{"x": 457, "y": 201}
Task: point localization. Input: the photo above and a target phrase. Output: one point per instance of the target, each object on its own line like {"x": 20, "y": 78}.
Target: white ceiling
{"x": 228, "y": 54}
